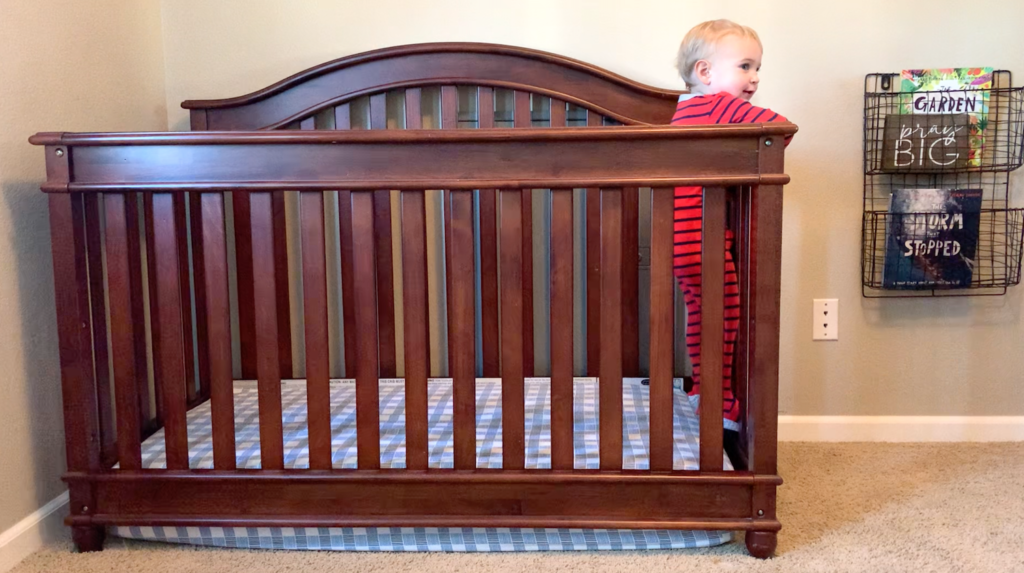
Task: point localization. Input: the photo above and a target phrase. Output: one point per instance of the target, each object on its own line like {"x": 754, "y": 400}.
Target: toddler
{"x": 719, "y": 61}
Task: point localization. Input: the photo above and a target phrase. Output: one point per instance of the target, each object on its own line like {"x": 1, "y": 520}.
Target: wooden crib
{"x": 148, "y": 293}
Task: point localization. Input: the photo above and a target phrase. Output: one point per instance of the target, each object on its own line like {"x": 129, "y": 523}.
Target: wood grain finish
{"x": 157, "y": 165}
{"x": 561, "y": 329}
{"x": 169, "y": 344}
{"x": 490, "y": 323}
{"x": 67, "y": 236}
{"x": 490, "y": 65}
{"x": 662, "y": 313}
{"x": 593, "y": 269}
{"x": 138, "y": 305}
{"x": 241, "y": 212}
{"x": 631, "y": 281}
{"x": 154, "y": 314}
{"x": 122, "y": 329}
{"x": 199, "y": 292}
{"x": 512, "y": 404}
{"x": 545, "y": 159}
{"x": 314, "y": 297}
{"x": 367, "y": 372}
{"x": 522, "y": 119}
{"x": 461, "y": 336}
{"x": 268, "y": 371}
{"x": 593, "y": 273}
{"x": 181, "y": 221}
{"x": 385, "y": 264}
{"x": 417, "y": 327}
{"x": 385, "y": 282}
{"x": 348, "y": 284}
{"x": 449, "y": 121}
{"x": 765, "y": 295}
{"x": 610, "y": 391}
{"x": 217, "y": 314}
{"x": 98, "y": 306}
{"x": 282, "y": 286}
{"x": 712, "y": 333}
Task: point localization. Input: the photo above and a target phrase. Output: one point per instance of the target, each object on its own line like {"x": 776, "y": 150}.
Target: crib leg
{"x": 761, "y": 544}
{"x": 88, "y": 537}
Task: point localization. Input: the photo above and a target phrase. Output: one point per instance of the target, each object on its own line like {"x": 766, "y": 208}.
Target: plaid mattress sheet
{"x": 636, "y": 425}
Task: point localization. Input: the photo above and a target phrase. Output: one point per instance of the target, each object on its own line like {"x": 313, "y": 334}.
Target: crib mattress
{"x": 635, "y": 440}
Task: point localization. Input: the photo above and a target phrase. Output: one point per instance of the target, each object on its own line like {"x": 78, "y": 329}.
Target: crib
{"x": 183, "y": 262}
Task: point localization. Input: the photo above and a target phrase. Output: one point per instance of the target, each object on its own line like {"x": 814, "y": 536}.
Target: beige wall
{"x": 65, "y": 65}
{"x": 112, "y": 65}
{"x": 895, "y": 357}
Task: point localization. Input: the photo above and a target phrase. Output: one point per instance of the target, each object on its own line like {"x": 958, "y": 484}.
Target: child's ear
{"x": 702, "y": 69}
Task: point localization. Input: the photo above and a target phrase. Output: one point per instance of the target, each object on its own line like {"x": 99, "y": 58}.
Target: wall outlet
{"x": 826, "y": 319}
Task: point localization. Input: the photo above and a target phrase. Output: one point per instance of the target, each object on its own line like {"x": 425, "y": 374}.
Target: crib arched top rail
{"x": 416, "y": 159}
{"x": 451, "y": 63}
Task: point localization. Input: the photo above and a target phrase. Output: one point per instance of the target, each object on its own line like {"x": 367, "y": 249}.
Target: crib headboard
{"x": 441, "y": 86}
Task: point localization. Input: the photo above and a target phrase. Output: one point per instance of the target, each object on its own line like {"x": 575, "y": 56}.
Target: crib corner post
{"x": 74, "y": 333}
{"x": 71, "y": 289}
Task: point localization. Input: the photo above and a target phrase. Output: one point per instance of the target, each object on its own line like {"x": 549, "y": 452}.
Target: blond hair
{"x": 700, "y": 43}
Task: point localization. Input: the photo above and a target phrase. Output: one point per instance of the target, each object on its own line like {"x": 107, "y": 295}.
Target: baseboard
{"x": 901, "y": 428}
{"x": 45, "y": 525}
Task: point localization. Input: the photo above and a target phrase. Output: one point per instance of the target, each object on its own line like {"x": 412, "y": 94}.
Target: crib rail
{"x": 117, "y": 170}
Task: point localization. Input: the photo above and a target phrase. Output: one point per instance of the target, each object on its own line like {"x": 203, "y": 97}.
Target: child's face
{"x": 733, "y": 68}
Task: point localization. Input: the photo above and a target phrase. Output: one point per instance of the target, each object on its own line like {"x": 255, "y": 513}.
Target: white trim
{"x": 29, "y": 535}
{"x": 901, "y": 428}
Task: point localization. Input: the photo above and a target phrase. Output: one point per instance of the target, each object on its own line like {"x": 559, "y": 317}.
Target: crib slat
{"x": 522, "y": 118}
{"x": 385, "y": 268}
{"x": 417, "y": 326}
{"x": 314, "y": 297}
{"x": 557, "y": 113}
{"x": 181, "y": 223}
{"x": 282, "y": 287}
{"x": 661, "y": 329}
{"x": 413, "y": 108}
{"x": 169, "y": 345}
{"x": 611, "y": 330}
{"x": 461, "y": 336}
{"x": 741, "y": 368}
{"x": 631, "y": 281}
{"x": 449, "y": 120}
{"x": 385, "y": 282}
{"x": 243, "y": 270}
{"x": 379, "y": 111}
{"x": 348, "y": 285}
{"x": 129, "y": 445}
{"x": 367, "y": 372}
{"x": 593, "y": 270}
{"x": 712, "y": 325}
{"x": 521, "y": 114}
{"x": 561, "y": 329}
{"x": 94, "y": 242}
{"x": 217, "y": 311}
{"x": 268, "y": 366}
{"x": 138, "y": 303}
{"x": 593, "y": 281}
{"x": 343, "y": 116}
{"x": 490, "y": 326}
{"x": 414, "y": 120}
{"x": 512, "y": 405}
{"x": 154, "y": 314}
{"x": 199, "y": 290}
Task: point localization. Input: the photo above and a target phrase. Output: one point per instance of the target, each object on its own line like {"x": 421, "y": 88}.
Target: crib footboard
{"x": 143, "y": 256}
